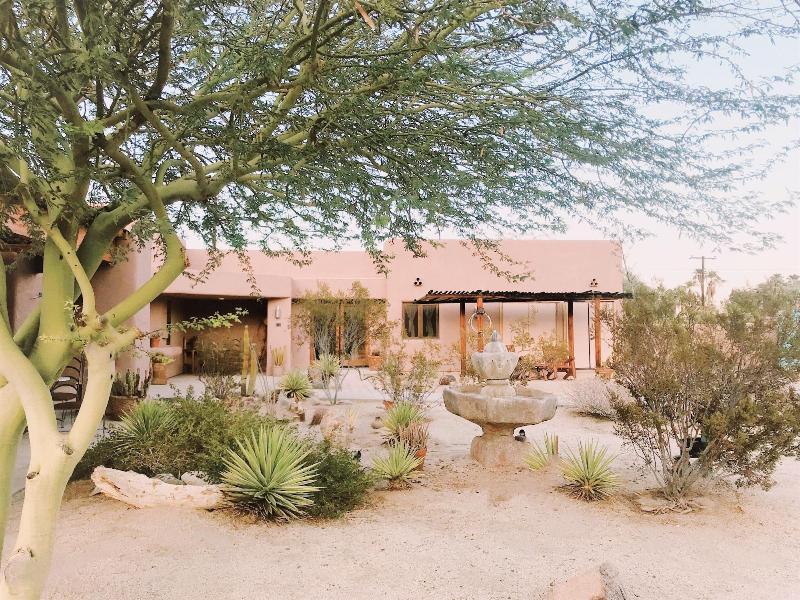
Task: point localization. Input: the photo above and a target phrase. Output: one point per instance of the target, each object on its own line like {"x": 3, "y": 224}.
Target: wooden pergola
{"x": 480, "y": 296}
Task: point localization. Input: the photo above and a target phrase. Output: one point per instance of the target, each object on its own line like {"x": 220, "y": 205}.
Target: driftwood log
{"x": 141, "y": 491}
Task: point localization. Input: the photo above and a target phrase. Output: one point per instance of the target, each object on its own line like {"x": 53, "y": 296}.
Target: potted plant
{"x": 159, "y": 362}
{"x": 126, "y": 392}
{"x": 278, "y": 358}
{"x": 415, "y": 436}
{"x": 156, "y": 340}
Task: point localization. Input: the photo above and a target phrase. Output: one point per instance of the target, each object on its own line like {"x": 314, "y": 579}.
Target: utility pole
{"x": 703, "y": 260}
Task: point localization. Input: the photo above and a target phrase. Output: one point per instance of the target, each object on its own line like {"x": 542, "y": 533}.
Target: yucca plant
{"x": 400, "y": 416}
{"x": 588, "y": 474}
{"x": 397, "y": 465}
{"x": 540, "y": 456}
{"x": 296, "y": 385}
{"x": 269, "y": 475}
{"x": 145, "y": 423}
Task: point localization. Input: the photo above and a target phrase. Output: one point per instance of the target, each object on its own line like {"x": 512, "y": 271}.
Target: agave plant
{"x": 146, "y": 422}
{"x": 400, "y": 416}
{"x": 296, "y": 385}
{"x": 588, "y": 474}
{"x": 398, "y": 465}
{"x": 540, "y": 456}
{"x": 269, "y": 475}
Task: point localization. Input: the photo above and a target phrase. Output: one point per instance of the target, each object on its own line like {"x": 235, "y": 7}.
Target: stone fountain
{"x": 498, "y": 407}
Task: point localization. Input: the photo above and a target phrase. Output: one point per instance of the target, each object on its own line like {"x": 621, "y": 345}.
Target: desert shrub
{"x": 219, "y": 363}
{"x": 593, "y": 397}
{"x": 588, "y": 473}
{"x": 527, "y": 369}
{"x": 710, "y": 387}
{"x": 541, "y": 455}
{"x": 268, "y": 474}
{"x": 197, "y": 438}
{"x": 328, "y": 370}
{"x": 405, "y": 377}
{"x": 400, "y": 416}
{"x": 397, "y": 465}
{"x": 296, "y": 385}
{"x": 343, "y": 483}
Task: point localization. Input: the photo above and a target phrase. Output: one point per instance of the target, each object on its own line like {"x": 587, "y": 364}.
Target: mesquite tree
{"x": 277, "y": 122}
{"x": 711, "y": 389}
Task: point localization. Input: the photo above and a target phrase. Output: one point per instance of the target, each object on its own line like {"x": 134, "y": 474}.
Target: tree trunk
{"x": 53, "y": 459}
{"x": 12, "y": 422}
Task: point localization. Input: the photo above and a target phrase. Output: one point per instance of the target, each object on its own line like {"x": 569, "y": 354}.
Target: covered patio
{"x": 480, "y": 297}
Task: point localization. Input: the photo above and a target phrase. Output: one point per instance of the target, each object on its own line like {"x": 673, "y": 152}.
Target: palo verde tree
{"x": 281, "y": 121}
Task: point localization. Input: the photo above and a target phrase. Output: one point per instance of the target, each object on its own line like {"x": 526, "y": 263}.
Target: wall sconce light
{"x": 418, "y": 282}
{"x": 277, "y": 312}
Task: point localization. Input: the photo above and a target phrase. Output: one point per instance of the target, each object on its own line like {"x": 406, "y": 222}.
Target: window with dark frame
{"x": 420, "y": 320}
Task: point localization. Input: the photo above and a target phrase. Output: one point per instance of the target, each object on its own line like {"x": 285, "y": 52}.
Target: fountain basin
{"x": 499, "y": 413}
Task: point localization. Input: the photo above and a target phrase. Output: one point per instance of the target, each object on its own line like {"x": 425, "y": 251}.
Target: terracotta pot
{"x": 374, "y": 362}
{"x": 421, "y": 453}
{"x": 159, "y": 374}
{"x": 387, "y": 404}
{"x": 278, "y": 370}
{"x": 156, "y": 342}
{"x": 119, "y": 405}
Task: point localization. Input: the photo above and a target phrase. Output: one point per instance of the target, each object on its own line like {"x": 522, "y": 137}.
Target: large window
{"x": 420, "y": 320}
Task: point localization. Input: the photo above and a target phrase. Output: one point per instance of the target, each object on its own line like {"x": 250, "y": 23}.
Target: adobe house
{"x": 567, "y": 282}
{"x": 442, "y": 297}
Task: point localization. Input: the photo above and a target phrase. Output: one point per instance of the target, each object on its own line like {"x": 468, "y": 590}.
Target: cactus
{"x": 245, "y": 360}
{"x": 130, "y": 384}
{"x": 251, "y": 380}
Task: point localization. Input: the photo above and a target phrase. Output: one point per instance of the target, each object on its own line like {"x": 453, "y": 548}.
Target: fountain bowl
{"x": 499, "y": 415}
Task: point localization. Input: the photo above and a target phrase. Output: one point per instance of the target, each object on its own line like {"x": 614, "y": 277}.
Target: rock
{"x": 601, "y": 583}
{"x": 381, "y": 485}
{"x": 194, "y": 478}
{"x": 447, "y": 380}
{"x": 168, "y": 478}
{"x": 568, "y": 378}
{"x": 377, "y": 423}
{"x": 140, "y": 491}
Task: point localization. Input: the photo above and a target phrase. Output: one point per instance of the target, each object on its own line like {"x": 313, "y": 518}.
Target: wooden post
{"x": 479, "y": 311}
{"x": 571, "y": 336}
{"x": 462, "y": 319}
{"x": 597, "y": 335}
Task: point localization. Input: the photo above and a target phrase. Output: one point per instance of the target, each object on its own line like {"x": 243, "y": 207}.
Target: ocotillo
{"x": 245, "y": 360}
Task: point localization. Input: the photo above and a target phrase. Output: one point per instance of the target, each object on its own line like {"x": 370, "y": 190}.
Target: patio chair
{"x": 67, "y": 392}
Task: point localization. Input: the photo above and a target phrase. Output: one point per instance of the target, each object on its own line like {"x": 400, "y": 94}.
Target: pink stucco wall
{"x": 550, "y": 265}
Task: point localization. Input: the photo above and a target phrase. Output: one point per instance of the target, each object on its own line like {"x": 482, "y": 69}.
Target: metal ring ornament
{"x": 472, "y": 319}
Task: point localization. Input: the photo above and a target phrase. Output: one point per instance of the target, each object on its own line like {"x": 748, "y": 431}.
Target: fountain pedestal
{"x": 498, "y": 407}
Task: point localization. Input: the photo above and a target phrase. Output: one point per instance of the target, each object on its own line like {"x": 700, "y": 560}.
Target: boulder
{"x": 194, "y": 478}
{"x": 601, "y": 583}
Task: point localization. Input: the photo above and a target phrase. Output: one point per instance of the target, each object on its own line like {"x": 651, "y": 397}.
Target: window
{"x": 420, "y": 320}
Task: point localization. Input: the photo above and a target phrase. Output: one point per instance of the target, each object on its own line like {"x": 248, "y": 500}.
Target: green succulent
{"x": 147, "y": 422}
{"x": 398, "y": 465}
{"x": 588, "y": 474}
{"x": 540, "y": 456}
{"x": 268, "y": 474}
{"x": 296, "y": 385}
{"x": 400, "y": 416}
